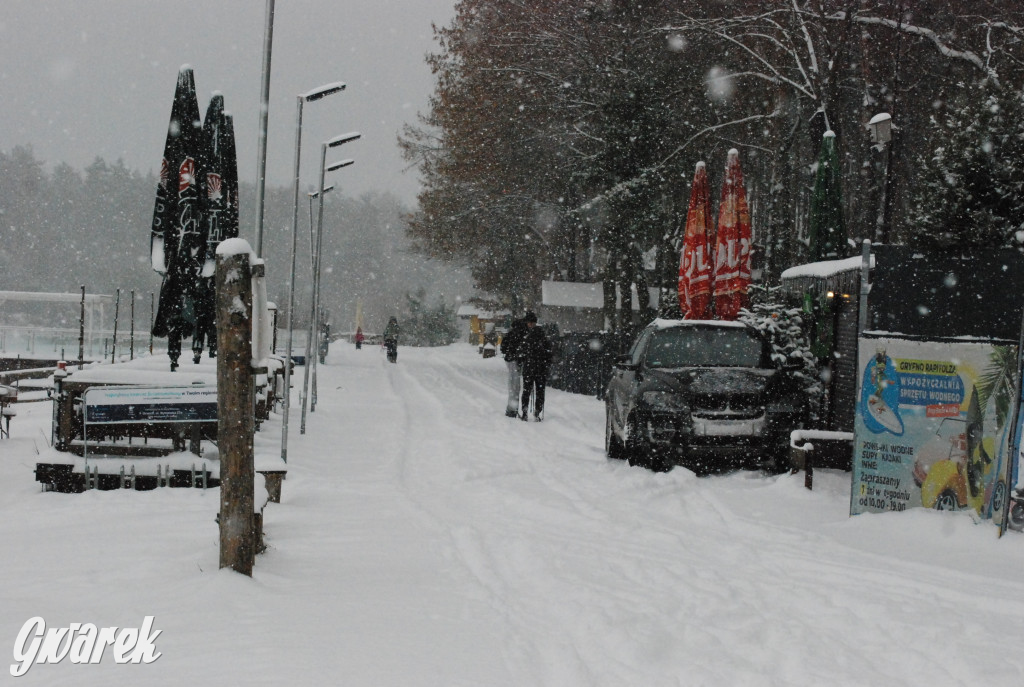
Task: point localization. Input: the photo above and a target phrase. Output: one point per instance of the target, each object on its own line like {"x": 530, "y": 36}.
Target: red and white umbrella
{"x": 695, "y": 262}
{"x": 732, "y": 244}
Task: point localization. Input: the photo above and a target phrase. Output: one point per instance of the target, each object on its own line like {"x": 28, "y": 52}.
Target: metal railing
{"x": 62, "y": 343}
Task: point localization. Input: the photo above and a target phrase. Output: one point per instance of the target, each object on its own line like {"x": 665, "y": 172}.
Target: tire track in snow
{"x": 503, "y": 566}
{"x": 433, "y": 437}
{"x": 648, "y": 571}
{"x": 620, "y": 541}
{"x": 493, "y": 556}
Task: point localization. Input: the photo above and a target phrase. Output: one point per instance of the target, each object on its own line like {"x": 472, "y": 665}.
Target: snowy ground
{"x": 425, "y": 539}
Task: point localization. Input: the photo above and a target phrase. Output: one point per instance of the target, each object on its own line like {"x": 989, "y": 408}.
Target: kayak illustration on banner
{"x": 880, "y": 395}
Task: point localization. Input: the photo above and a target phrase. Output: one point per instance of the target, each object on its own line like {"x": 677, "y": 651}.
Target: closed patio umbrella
{"x": 221, "y": 217}
{"x": 827, "y": 228}
{"x": 732, "y": 244}
{"x": 176, "y": 242}
{"x": 695, "y": 262}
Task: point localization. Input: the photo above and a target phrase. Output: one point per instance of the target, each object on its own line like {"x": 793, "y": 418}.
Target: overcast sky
{"x": 87, "y": 78}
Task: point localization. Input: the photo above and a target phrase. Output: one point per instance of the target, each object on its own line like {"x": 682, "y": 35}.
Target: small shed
{"x": 829, "y": 292}
{"x": 473, "y": 321}
{"x": 578, "y": 306}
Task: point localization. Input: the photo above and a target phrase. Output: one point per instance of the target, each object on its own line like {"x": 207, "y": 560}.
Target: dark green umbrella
{"x": 221, "y": 217}
{"x": 178, "y": 241}
{"x": 827, "y": 230}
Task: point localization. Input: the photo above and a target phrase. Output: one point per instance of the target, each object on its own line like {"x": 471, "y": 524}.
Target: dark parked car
{"x": 703, "y": 394}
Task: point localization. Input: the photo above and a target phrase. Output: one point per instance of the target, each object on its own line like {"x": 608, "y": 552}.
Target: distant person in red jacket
{"x": 359, "y": 338}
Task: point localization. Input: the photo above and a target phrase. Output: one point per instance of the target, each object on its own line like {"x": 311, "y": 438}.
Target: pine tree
{"x": 426, "y": 326}
{"x": 971, "y": 183}
{"x": 785, "y": 328}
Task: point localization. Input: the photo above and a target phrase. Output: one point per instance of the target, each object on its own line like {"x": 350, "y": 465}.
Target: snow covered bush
{"x": 786, "y": 328}
{"x": 427, "y": 326}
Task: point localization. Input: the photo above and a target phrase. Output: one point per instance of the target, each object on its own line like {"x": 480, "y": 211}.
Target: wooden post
{"x": 273, "y": 344}
{"x": 273, "y": 480}
{"x": 195, "y": 439}
{"x": 235, "y": 423}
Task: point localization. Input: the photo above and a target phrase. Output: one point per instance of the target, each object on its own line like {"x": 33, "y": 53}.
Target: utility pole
{"x": 81, "y": 332}
{"x": 131, "y": 355}
{"x": 117, "y": 306}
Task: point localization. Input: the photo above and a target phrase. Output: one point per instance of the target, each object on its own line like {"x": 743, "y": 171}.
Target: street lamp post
{"x": 881, "y": 135}
{"x": 312, "y": 271}
{"x": 261, "y": 154}
{"x": 315, "y": 330}
{"x": 317, "y": 271}
{"x": 312, "y": 236}
{"x": 315, "y": 94}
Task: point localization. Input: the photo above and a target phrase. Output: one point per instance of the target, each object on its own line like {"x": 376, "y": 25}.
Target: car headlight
{"x": 664, "y": 400}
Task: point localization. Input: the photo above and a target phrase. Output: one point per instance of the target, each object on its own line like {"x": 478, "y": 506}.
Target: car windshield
{"x": 704, "y": 347}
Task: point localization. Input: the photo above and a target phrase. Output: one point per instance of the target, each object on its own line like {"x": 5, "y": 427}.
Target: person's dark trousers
{"x": 533, "y": 382}
{"x": 174, "y": 348}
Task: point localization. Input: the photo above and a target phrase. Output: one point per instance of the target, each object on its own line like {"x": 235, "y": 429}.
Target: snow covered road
{"x": 425, "y": 539}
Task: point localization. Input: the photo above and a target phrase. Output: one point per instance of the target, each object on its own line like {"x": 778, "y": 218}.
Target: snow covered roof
{"x": 570, "y": 294}
{"x": 468, "y": 310}
{"x": 114, "y": 374}
{"x": 662, "y": 323}
{"x": 825, "y": 268}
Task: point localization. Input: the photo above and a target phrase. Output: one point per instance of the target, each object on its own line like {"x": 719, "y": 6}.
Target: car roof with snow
{"x": 662, "y": 323}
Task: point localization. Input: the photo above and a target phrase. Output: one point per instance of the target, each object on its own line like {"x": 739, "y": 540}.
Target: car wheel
{"x": 613, "y": 447}
{"x": 777, "y": 461}
{"x": 657, "y": 463}
{"x": 637, "y": 452}
{"x": 946, "y": 500}
{"x": 1016, "y": 515}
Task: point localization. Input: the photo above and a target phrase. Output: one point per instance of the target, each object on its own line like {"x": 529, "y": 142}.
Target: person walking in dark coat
{"x": 535, "y": 356}
{"x": 511, "y": 344}
{"x": 391, "y": 340}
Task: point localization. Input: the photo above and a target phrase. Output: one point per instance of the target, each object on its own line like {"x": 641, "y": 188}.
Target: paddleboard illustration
{"x": 880, "y": 395}
{"x": 884, "y": 415}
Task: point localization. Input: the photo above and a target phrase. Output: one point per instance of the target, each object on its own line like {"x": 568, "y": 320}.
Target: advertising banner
{"x": 131, "y": 404}
{"x": 932, "y": 425}
{"x": 1015, "y": 510}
